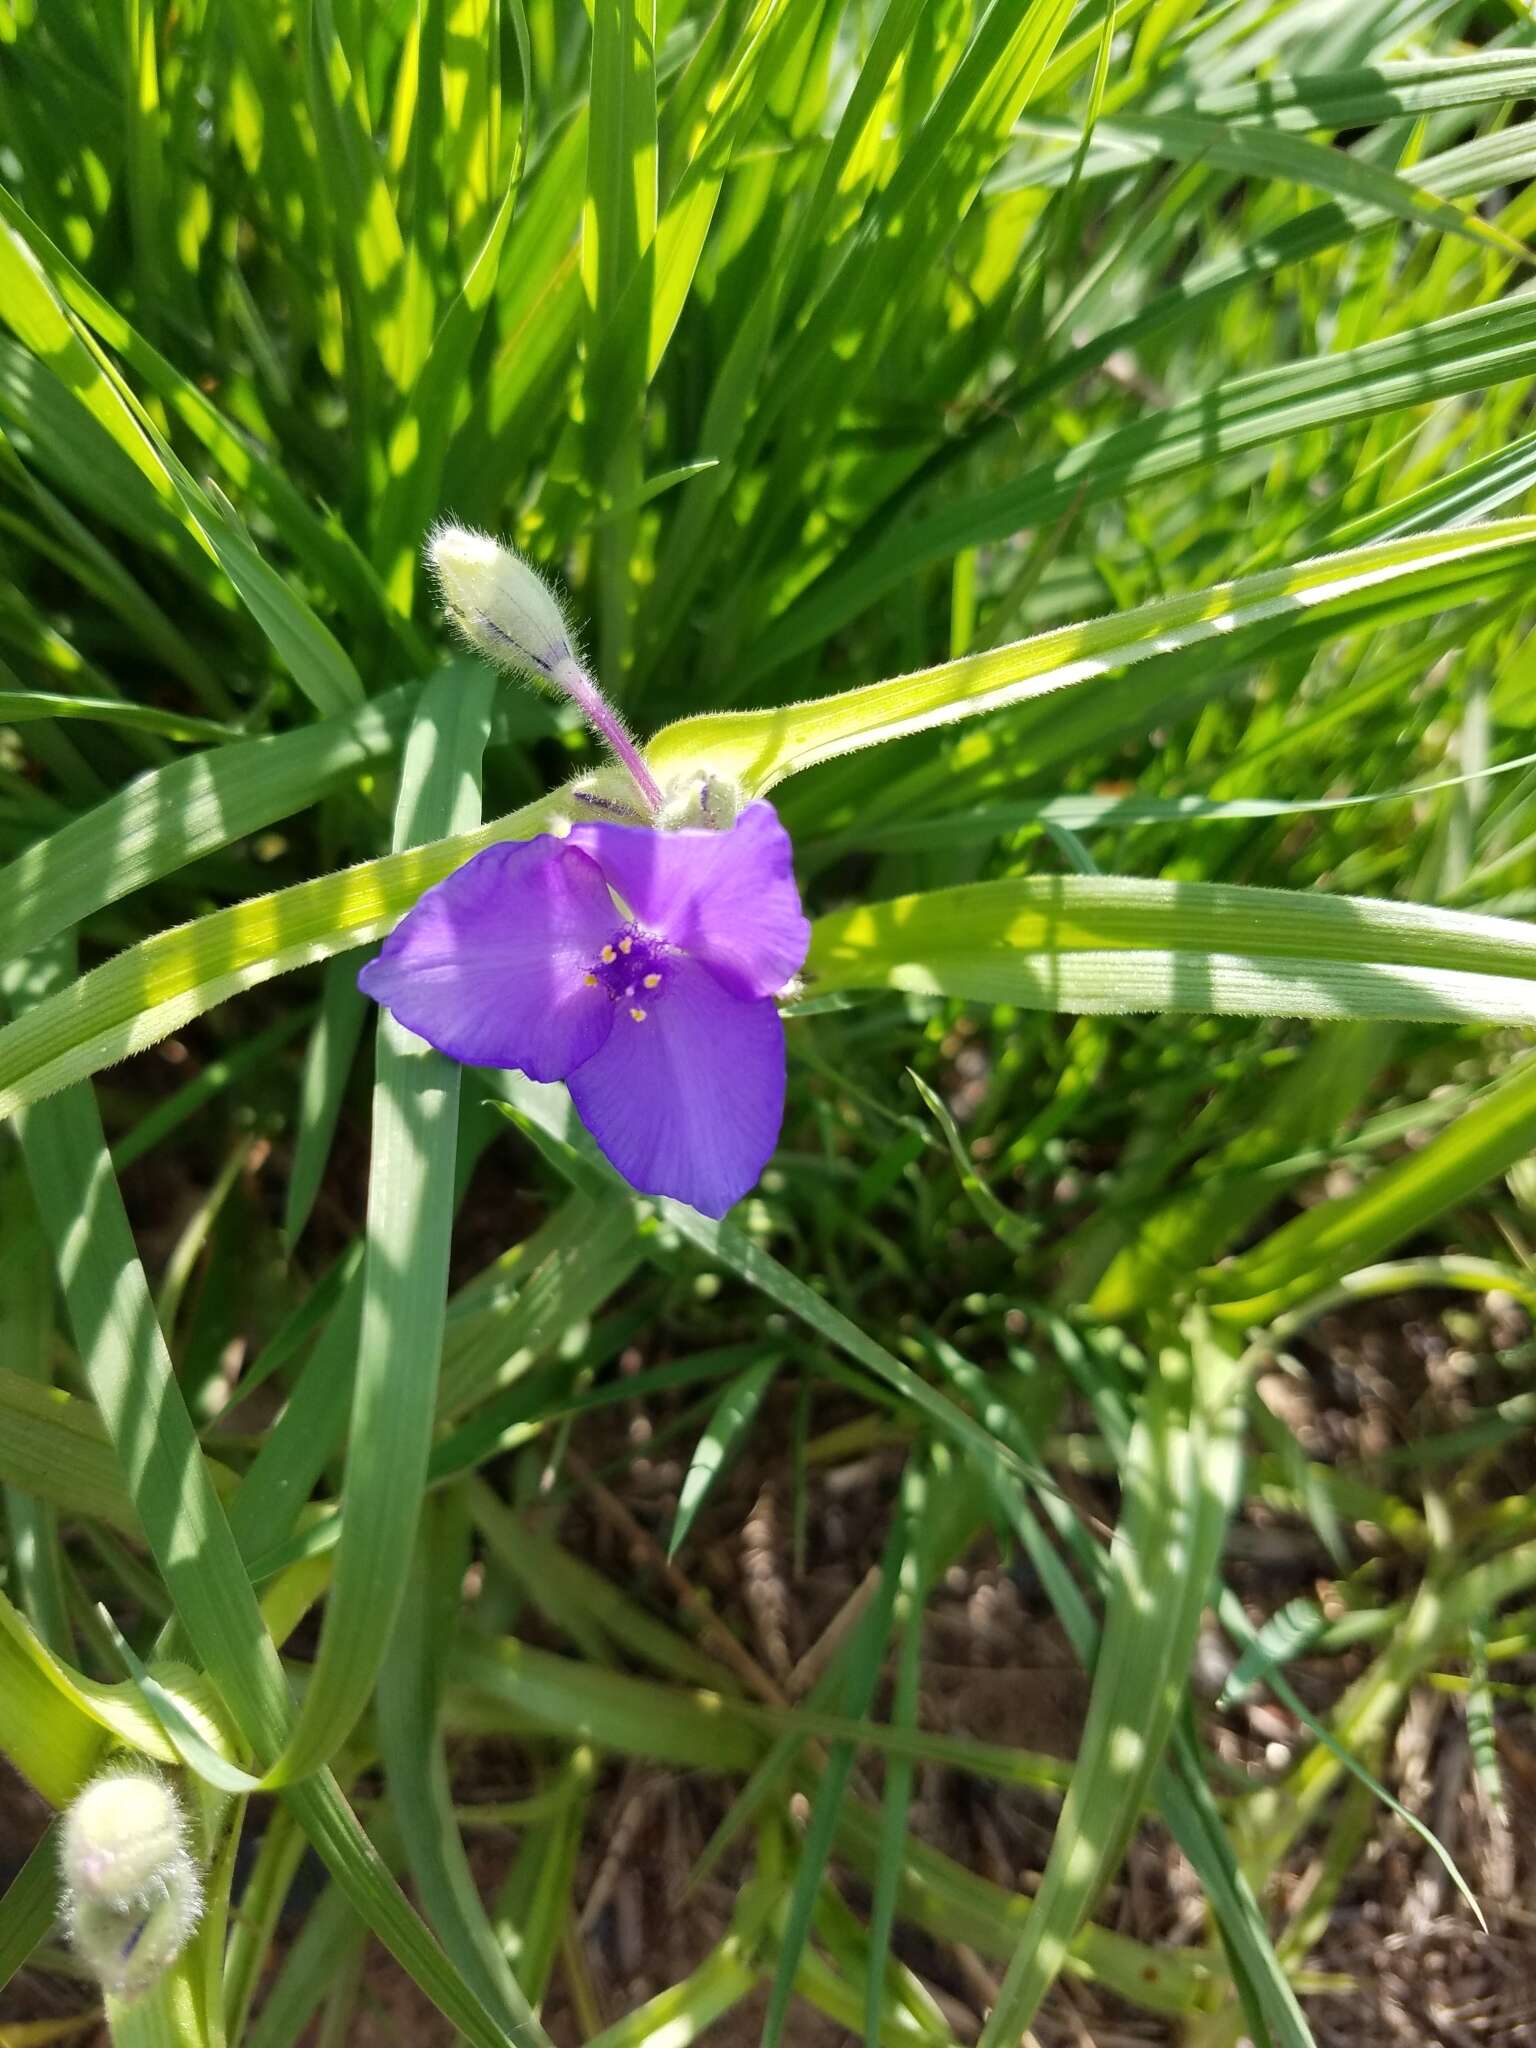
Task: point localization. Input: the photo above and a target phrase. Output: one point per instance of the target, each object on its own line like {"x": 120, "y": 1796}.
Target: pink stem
{"x": 569, "y": 676}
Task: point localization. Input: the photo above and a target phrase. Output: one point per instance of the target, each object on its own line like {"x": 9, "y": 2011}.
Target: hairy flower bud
{"x": 703, "y": 802}
{"x": 132, "y": 1890}
{"x": 508, "y": 613}
{"x": 499, "y": 602}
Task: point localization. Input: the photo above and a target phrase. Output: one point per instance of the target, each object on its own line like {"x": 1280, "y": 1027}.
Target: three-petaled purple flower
{"x": 639, "y": 967}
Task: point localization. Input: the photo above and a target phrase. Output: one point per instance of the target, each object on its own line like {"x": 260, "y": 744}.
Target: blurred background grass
{"x": 721, "y": 1637}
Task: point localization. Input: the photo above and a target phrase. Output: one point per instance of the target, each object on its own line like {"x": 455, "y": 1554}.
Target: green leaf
{"x": 761, "y": 748}
{"x": 859, "y": 1677}
{"x": 54, "y": 1446}
{"x": 320, "y": 1953}
{"x": 410, "y": 1689}
{"x": 685, "y": 2011}
{"x": 729, "y": 1246}
{"x": 618, "y": 269}
{"x": 1233, "y": 1616}
{"x": 362, "y": 1875}
{"x": 26, "y": 1342}
{"x": 1105, "y": 944}
{"x": 172, "y": 815}
{"x": 320, "y": 542}
{"x": 533, "y": 1910}
{"x": 727, "y": 1426}
{"x": 327, "y": 1063}
{"x": 129, "y": 1373}
{"x": 418, "y": 440}
{"x": 916, "y": 1569}
{"x": 583, "y": 1703}
{"x": 19, "y": 706}
{"x": 1113, "y": 813}
{"x": 1360, "y": 96}
{"x": 387, "y": 306}
{"x": 1466, "y": 351}
{"x": 1287, "y": 1634}
{"x": 405, "y": 1272}
{"x": 51, "y": 1730}
{"x": 310, "y": 651}
{"x": 160, "y": 985}
{"x": 1261, "y": 151}
{"x": 1482, "y": 1738}
{"x": 1315, "y": 1249}
{"x": 28, "y": 1908}
{"x": 1179, "y": 1483}
{"x": 1014, "y": 1231}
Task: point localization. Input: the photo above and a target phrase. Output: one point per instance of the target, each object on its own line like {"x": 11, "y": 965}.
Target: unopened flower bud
{"x": 499, "y": 602}
{"x": 709, "y": 803}
{"x": 508, "y": 613}
{"x": 132, "y": 1889}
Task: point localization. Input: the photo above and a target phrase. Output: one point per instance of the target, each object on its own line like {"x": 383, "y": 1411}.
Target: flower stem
{"x": 568, "y": 675}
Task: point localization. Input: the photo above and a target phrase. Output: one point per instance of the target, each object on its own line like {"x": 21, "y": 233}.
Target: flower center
{"x": 632, "y": 967}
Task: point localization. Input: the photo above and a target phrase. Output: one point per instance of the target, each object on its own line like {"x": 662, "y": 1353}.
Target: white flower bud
{"x": 499, "y": 602}
{"x": 120, "y": 1830}
{"x": 132, "y": 1889}
{"x": 508, "y": 613}
{"x": 708, "y": 802}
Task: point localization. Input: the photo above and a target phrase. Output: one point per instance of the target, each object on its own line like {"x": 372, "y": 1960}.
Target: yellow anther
{"x": 607, "y": 955}
{"x": 638, "y": 1015}
{"x": 625, "y": 944}
{"x": 590, "y": 980}
{"x": 653, "y": 981}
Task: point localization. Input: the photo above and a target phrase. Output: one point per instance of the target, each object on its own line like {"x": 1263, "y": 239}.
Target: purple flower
{"x": 640, "y": 968}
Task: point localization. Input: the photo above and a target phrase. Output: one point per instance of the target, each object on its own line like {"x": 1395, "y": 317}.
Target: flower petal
{"x": 688, "y": 1103}
{"x": 489, "y": 965}
{"x": 728, "y": 898}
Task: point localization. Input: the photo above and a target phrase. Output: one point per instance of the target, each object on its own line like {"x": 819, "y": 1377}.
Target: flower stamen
{"x": 632, "y": 959}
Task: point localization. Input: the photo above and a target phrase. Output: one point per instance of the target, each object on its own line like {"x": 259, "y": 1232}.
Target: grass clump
{"x": 1048, "y": 1558}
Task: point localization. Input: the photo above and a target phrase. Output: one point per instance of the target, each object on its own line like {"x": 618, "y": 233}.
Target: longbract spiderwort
{"x": 640, "y": 966}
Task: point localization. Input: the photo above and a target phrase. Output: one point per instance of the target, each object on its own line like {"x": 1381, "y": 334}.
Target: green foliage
{"x": 1073, "y": 454}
